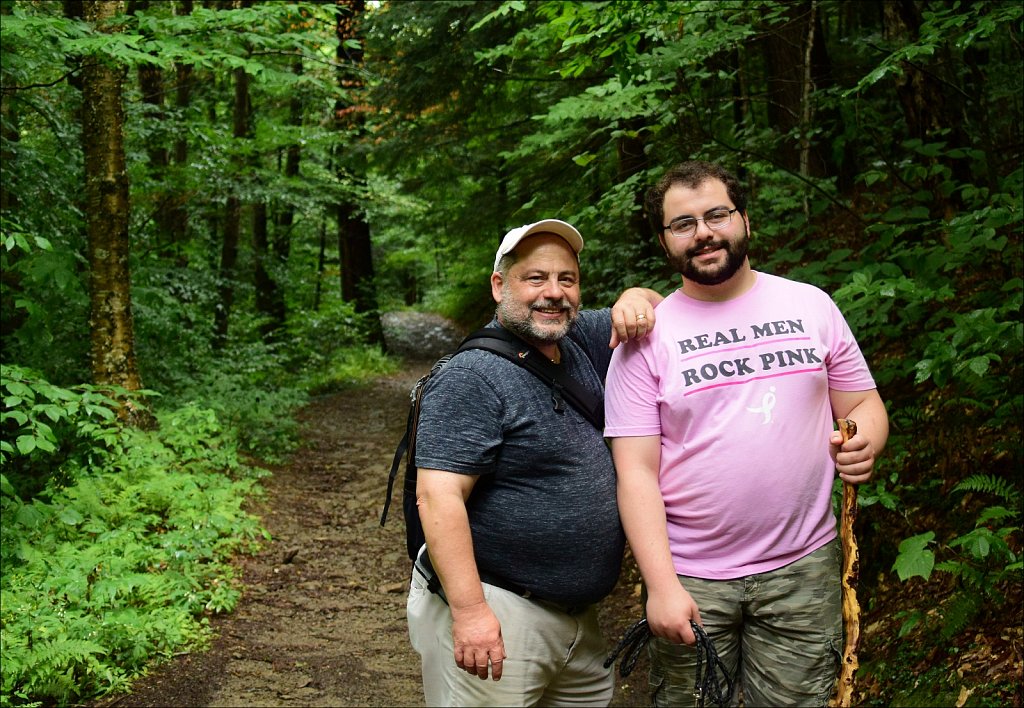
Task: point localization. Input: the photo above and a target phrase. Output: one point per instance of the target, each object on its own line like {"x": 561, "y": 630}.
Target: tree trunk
{"x": 321, "y": 260}
{"x": 282, "y": 234}
{"x": 177, "y": 215}
{"x": 269, "y": 302}
{"x": 783, "y": 59}
{"x": 272, "y": 253}
{"x": 10, "y": 278}
{"x": 232, "y": 222}
{"x": 916, "y": 89}
{"x": 151, "y": 86}
{"x": 112, "y": 339}
{"x": 354, "y": 243}
{"x": 11, "y": 135}
{"x": 797, "y": 64}
{"x": 632, "y": 160}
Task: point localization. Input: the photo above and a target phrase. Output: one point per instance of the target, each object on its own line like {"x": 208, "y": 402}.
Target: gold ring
{"x": 641, "y": 317}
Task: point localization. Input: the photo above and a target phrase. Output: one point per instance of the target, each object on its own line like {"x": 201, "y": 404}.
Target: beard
{"x": 735, "y": 251}
{"x": 515, "y": 317}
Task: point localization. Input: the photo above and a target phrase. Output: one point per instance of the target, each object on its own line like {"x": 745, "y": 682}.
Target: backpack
{"x": 503, "y": 343}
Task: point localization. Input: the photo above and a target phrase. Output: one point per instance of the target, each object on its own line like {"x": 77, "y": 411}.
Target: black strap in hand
{"x": 707, "y": 687}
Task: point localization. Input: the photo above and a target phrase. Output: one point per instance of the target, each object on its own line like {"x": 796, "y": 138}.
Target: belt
{"x": 426, "y": 569}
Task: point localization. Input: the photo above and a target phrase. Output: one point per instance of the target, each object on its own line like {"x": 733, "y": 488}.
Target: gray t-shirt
{"x": 543, "y": 513}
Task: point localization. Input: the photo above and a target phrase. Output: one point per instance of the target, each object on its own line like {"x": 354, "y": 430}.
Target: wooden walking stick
{"x": 851, "y": 573}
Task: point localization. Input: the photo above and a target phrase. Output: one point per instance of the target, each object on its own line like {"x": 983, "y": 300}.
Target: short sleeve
{"x": 631, "y": 399}
{"x": 460, "y": 423}
{"x": 847, "y": 368}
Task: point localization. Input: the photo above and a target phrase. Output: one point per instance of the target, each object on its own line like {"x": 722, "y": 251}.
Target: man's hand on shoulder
{"x": 633, "y": 315}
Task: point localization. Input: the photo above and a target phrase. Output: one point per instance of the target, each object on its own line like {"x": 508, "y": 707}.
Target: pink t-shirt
{"x": 738, "y": 391}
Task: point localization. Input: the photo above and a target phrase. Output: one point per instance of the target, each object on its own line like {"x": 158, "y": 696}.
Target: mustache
{"x": 551, "y": 304}
{"x": 710, "y": 245}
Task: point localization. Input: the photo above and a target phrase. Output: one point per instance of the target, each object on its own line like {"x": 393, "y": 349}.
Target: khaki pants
{"x": 779, "y": 633}
{"x": 553, "y": 659}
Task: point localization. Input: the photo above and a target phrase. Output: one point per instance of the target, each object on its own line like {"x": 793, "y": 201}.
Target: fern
{"x": 122, "y": 566}
{"x": 959, "y": 612}
{"x": 990, "y": 484}
{"x": 62, "y": 652}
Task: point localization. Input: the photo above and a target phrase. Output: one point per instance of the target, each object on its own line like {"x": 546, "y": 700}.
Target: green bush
{"x": 49, "y": 430}
{"x": 346, "y": 367}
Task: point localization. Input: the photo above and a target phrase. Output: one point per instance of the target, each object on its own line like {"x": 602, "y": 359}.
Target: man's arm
{"x": 855, "y": 459}
{"x": 642, "y": 510}
{"x": 633, "y": 314}
{"x": 476, "y": 632}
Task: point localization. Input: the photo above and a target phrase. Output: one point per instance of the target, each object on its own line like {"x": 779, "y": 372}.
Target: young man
{"x": 517, "y": 495}
{"x": 722, "y": 436}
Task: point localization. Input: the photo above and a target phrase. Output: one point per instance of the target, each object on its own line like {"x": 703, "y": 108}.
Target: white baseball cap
{"x": 552, "y": 226}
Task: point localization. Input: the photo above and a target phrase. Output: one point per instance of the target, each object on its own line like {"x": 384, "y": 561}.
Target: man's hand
{"x": 633, "y": 315}
{"x": 476, "y": 635}
{"x": 669, "y": 615}
{"x": 855, "y": 459}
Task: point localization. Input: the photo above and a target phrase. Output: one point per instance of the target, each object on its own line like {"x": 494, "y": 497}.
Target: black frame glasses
{"x": 686, "y": 226}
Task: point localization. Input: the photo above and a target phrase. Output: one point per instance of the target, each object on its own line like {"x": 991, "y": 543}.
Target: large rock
{"x": 420, "y": 335}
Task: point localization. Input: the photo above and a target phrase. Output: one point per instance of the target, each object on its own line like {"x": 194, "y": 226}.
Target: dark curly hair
{"x": 691, "y": 174}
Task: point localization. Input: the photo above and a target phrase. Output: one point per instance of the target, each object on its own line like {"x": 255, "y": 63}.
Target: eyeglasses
{"x": 686, "y": 226}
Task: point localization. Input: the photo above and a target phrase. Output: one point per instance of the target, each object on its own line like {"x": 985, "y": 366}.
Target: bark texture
{"x": 112, "y": 338}
{"x": 851, "y": 574}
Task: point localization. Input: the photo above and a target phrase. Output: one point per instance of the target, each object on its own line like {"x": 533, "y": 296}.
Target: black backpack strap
{"x": 409, "y": 439}
{"x": 502, "y": 342}
{"x": 399, "y": 454}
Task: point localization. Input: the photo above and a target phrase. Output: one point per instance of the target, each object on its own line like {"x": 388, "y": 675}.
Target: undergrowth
{"x": 123, "y": 554}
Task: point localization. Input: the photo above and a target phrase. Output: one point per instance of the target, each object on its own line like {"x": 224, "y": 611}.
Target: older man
{"x": 516, "y": 492}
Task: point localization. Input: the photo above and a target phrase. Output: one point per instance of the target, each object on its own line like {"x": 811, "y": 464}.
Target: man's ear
{"x": 661, "y": 240}
{"x": 496, "y": 284}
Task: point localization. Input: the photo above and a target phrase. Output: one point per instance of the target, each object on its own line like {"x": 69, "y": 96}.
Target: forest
{"x": 208, "y": 205}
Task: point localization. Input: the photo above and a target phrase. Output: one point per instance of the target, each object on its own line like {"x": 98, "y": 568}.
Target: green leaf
{"x": 584, "y": 159}
{"x": 977, "y": 542}
{"x": 53, "y": 412}
{"x": 978, "y": 365}
{"x": 29, "y": 516}
{"x": 995, "y": 513}
{"x": 26, "y": 444}
{"x": 915, "y": 559}
{"x": 912, "y": 621}
{"x": 70, "y": 516}
{"x": 6, "y": 487}
{"x": 924, "y": 370}
{"x": 20, "y": 389}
